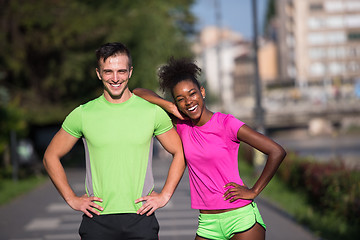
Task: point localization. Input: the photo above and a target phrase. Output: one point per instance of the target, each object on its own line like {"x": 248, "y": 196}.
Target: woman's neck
{"x": 204, "y": 118}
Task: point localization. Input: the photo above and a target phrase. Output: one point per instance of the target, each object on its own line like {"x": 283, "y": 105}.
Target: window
{"x": 317, "y": 69}
{"x": 291, "y": 70}
{"x": 331, "y": 53}
{"x": 316, "y": 38}
{"x": 317, "y": 53}
{"x": 316, "y": 7}
{"x": 335, "y": 22}
{"x": 290, "y": 41}
{"x": 353, "y": 5}
{"x": 326, "y": 38}
{"x": 353, "y": 66}
{"x": 334, "y": 6}
{"x": 351, "y": 52}
{"x": 291, "y": 56}
{"x": 354, "y": 36}
{"x": 352, "y": 21}
{"x": 315, "y": 23}
{"x": 336, "y": 37}
{"x": 336, "y": 68}
{"x": 340, "y": 52}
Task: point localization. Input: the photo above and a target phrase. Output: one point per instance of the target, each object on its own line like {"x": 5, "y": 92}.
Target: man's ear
{"x": 130, "y": 72}
{"x": 98, "y": 73}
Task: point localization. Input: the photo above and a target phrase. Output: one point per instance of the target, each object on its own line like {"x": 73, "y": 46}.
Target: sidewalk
{"x": 43, "y": 215}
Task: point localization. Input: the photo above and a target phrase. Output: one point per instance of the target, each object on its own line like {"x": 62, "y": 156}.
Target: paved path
{"x": 43, "y": 215}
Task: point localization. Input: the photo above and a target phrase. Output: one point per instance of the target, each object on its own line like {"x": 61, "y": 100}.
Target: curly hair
{"x": 177, "y": 70}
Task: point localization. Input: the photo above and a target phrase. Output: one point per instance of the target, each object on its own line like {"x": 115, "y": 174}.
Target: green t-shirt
{"x": 118, "y": 149}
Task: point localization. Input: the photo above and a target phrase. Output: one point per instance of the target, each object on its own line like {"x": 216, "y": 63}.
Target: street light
{"x": 218, "y": 51}
{"x": 259, "y": 158}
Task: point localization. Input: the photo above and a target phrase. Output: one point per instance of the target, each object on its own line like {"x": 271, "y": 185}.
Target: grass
{"x": 10, "y": 189}
{"x": 326, "y": 225}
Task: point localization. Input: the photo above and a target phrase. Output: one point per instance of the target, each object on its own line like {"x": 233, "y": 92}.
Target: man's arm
{"x": 59, "y": 146}
{"x": 170, "y": 140}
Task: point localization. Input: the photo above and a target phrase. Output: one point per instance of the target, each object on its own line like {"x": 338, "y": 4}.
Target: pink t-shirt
{"x": 211, "y": 152}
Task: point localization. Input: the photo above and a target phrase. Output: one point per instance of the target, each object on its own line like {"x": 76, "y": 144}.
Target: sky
{"x": 235, "y": 15}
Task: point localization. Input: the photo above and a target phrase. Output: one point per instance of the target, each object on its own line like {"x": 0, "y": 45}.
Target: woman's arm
{"x": 152, "y": 97}
{"x": 275, "y": 155}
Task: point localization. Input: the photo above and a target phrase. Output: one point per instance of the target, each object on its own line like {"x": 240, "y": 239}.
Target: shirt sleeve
{"x": 162, "y": 121}
{"x": 232, "y": 126}
{"x": 73, "y": 123}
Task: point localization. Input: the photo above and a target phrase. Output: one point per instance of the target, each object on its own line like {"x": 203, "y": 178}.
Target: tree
{"x": 48, "y": 47}
{"x": 270, "y": 21}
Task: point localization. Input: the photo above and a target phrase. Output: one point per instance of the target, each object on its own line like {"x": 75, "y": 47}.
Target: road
{"x": 43, "y": 215}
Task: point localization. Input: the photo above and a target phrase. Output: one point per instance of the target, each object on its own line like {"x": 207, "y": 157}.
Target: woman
{"x": 211, "y": 142}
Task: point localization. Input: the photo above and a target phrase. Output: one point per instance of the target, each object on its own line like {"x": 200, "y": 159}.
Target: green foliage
{"x": 10, "y": 189}
{"x": 48, "y": 46}
{"x": 332, "y": 191}
{"x": 270, "y": 11}
{"x": 324, "y": 197}
{"x": 12, "y": 119}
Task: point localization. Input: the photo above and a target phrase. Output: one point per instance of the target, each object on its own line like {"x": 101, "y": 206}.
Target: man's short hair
{"x": 111, "y": 49}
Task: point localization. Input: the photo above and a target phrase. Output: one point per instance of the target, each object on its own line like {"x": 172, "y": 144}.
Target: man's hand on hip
{"x": 86, "y": 204}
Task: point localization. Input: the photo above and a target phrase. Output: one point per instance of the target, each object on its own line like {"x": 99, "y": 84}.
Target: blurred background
{"x": 288, "y": 68}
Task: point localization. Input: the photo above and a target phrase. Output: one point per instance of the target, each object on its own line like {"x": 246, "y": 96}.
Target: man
{"x": 117, "y": 129}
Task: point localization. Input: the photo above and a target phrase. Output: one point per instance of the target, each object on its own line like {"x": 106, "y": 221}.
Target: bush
{"x": 325, "y": 197}
{"x": 332, "y": 190}
{"x": 342, "y": 194}
{"x": 12, "y": 119}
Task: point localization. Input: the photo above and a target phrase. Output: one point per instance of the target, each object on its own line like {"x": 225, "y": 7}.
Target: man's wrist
{"x": 69, "y": 197}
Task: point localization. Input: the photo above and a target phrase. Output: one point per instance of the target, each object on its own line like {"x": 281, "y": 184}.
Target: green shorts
{"x": 226, "y": 225}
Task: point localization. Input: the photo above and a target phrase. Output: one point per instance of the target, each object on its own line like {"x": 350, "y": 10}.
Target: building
{"x": 227, "y": 61}
{"x": 216, "y": 51}
{"x": 318, "y": 42}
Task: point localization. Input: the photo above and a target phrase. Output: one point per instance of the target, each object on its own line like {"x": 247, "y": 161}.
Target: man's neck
{"x": 126, "y": 95}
